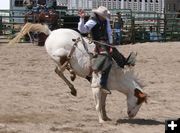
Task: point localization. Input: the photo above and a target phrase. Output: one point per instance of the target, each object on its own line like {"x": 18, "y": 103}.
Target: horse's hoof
{"x": 130, "y": 115}
{"x": 74, "y": 93}
{"x": 107, "y": 119}
{"x": 101, "y": 121}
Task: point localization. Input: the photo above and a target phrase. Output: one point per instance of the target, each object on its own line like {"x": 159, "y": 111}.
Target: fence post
{"x": 133, "y": 30}
{"x": 165, "y": 25}
{"x": 1, "y": 26}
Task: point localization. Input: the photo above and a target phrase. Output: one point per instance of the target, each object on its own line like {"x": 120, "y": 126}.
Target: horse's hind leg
{"x": 60, "y": 73}
{"x": 31, "y": 40}
{"x": 97, "y": 97}
{"x": 103, "y": 99}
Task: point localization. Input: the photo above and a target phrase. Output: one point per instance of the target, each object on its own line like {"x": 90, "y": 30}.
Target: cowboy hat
{"x": 101, "y": 11}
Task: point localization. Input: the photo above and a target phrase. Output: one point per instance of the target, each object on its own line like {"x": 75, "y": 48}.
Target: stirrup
{"x": 131, "y": 60}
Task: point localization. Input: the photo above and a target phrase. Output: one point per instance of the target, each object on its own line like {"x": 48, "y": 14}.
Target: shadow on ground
{"x": 140, "y": 121}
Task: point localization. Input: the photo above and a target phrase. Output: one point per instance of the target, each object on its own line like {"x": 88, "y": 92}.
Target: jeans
{"x": 117, "y": 36}
{"x": 104, "y": 77}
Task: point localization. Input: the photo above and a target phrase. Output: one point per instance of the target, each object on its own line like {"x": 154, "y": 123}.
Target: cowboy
{"x": 28, "y": 4}
{"x": 41, "y": 5}
{"x": 99, "y": 27}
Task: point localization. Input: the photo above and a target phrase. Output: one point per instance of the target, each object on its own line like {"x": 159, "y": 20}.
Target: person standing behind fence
{"x": 117, "y": 25}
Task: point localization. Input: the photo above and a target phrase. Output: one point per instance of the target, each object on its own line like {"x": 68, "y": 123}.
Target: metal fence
{"x": 11, "y": 21}
{"x": 138, "y": 26}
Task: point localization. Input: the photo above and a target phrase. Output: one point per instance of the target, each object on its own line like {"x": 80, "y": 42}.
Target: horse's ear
{"x": 142, "y": 97}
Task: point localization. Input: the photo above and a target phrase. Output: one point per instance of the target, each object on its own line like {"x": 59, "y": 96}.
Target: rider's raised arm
{"x": 86, "y": 28}
{"x": 109, "y": 31}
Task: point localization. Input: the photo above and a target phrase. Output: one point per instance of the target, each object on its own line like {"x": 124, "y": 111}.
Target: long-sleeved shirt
{"x": 86, "y": 28}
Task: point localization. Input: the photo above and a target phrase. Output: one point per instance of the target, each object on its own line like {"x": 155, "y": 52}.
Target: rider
{"x": 41, "y": 4}
{"x": 99, "y": 27}
{"x": 29, "y": 5}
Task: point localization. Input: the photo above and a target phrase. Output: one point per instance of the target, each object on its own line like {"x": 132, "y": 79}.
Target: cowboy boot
{"x": 105, "y": 90}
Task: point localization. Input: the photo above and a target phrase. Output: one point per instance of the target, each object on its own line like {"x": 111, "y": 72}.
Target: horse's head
{"x": 125, "y": 81}
{"x": 134, "y": 102}
{"x": 135, "y": 94}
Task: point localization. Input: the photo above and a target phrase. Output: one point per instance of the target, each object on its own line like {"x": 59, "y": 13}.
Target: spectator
{"x": 154, "y": 35}
{"x": 117, "y": 25}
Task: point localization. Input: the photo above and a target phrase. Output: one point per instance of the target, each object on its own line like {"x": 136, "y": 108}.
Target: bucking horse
{"x": 71, "y": 51}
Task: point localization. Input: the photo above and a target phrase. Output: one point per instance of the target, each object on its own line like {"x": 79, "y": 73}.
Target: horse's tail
{"x": 30, "y": 27}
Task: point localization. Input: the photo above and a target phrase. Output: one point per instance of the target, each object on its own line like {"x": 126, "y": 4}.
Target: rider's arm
{"x": 86, "y": 28}
{"x": 109, "y": 31}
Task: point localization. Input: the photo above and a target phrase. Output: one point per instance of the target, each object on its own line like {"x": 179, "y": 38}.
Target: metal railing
{"x": 138, "y": 26}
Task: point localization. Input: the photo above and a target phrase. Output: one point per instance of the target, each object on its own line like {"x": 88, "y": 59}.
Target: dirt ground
{"x": 33, "y": 99}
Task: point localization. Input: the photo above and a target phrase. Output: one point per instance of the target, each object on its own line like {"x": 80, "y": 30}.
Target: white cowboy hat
{"x": 101, "y": 11}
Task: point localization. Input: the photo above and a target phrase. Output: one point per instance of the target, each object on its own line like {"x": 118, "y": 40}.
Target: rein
{"x": 102, "y": 43}
{"x": 74, "y": 47}
{"x": 72, "y": 51}
{"x": 64, "y": 66}
{"x": 84, "y": 45}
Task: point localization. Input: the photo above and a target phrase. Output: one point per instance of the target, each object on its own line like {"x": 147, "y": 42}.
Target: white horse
{"x": 66, "y": 48}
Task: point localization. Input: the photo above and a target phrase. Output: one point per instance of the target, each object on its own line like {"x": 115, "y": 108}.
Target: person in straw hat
{"x": 99, "y": 27}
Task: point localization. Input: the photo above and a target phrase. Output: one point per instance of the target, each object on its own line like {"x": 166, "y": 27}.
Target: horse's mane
{"x": 128, "y": 73}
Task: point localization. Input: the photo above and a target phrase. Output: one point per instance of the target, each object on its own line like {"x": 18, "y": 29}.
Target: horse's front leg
{"x": 103, "y": 99}
{"x": 60, "y": 73}
{"x": 97, "y": 97}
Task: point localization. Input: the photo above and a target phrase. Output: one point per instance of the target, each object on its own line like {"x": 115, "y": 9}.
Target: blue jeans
{"x": 117, "y": 36}
{"x": 104, "y": 77}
